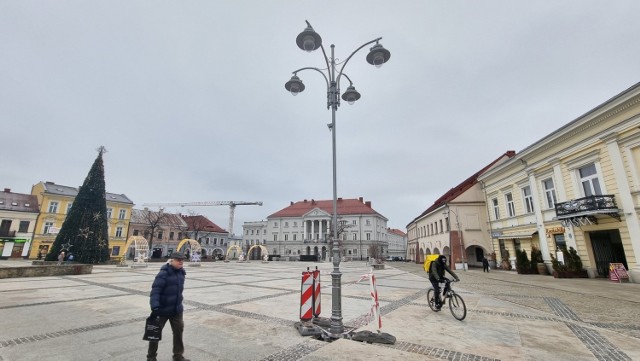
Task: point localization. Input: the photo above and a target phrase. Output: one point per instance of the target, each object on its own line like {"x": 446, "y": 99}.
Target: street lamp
{"x": 309, "y": 40}
{"x": 446, "y": 213}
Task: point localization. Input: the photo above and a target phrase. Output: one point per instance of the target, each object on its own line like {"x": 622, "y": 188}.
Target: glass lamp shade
{"x": 294, "y": 85}
{"x": 378, "y": 55}
{"x": 308, "y": 40}
{"x": 351, "y": 95}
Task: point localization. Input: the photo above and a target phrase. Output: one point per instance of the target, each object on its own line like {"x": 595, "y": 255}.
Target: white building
{"x": 304, "y": 228}
{"x": 397, "y": 240}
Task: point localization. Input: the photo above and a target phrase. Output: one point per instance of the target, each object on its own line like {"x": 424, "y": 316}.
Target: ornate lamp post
{"x": 309, "y": 40}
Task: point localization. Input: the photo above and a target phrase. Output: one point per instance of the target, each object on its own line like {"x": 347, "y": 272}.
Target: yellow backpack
{"x": 428, "y": 259}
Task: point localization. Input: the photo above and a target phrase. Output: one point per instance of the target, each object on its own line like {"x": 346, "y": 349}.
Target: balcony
{"x": 588, "y": 206}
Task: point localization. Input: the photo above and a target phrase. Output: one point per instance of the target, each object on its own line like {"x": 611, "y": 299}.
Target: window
{"x": 589, "y": 180}
{"x": 511, "y": 208}
{"x": 496, "y": 208}
{"x": 275, "y": 236}
{"x": 53, "y": 207}
{"x": 160, "y": 234}
{"x": 286, "y": 224}
{"x": 295, "y": 238}
{"x": 69, "y": 205}
{"x": 516, "y": 245}
{"x": 275, "y": 224}
{"x": 441, "y": 229}
{"x": 115, "y": 250}
{"x": 368, "y": 222}
{"x": 446, "y": 222}
{"x": 355, "y": 236}
{"x": 295, "y": 224}
{"x": 354, "y": 222}
{"x": 549, "y": 192}
{"x": 118, "y": 232}
{"x": 171, "y": 235}
{"x": 286, "y": 236}
{"x": 47, "y": 227}
{"x": 561, "y": 244}
{"x": 109, "y": 211}
{"x": 122, "y": 214}
{"x": 528, "y": 199}
{"x": 135, "y": 232}
{"x": 24, "y": 227}
{"x": 368, "y": 236}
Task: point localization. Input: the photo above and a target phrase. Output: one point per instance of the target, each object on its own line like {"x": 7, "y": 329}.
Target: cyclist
{"x": 436, "y": 275}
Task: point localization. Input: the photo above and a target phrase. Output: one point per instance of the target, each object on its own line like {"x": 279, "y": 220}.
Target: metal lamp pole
{"x": 309, "y": 40}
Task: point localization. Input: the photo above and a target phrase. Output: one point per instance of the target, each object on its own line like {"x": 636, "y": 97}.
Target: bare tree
{"x": 153, "y": 222}
{"x": 375, "y": 251}
{"x": 342, "y": 229}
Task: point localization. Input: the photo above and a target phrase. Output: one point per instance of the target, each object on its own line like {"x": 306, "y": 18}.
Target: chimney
{"x": 291, "y": 203}
{"x": 7, "y": 190}
{"x": 368, "y": 204}
{"x": 340, "y": 199}
{"x": 361, "y": 199}
{"x": 146, "y": 209}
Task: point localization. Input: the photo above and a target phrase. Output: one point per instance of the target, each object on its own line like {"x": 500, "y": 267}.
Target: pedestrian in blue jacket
{"x": 166, "y": 303}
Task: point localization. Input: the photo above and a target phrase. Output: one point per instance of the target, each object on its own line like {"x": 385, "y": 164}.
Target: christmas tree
{"x": 84, "y": 232}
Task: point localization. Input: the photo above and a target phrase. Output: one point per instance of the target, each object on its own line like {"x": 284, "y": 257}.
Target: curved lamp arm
{"x": 316, "y": 69}
{"x": 350, "y": 56}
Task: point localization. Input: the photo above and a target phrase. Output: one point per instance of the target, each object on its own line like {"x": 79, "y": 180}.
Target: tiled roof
{"x": 456, "y": 191}
{"x": 18, "y": 202}
{"x": 201, "y": 223}
{"x": 344, "y": 207}
{"x": 397, "y": 231}
{"x": 58, "y": 189}
{"x": 141, "y": 216}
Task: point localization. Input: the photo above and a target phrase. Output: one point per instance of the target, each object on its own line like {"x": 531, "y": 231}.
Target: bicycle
{"x": 456, "y": 303}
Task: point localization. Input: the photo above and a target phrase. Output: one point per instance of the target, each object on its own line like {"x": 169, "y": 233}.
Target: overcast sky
{"x": 188, "y": 96}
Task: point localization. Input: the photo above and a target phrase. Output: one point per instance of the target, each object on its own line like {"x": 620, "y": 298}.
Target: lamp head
{"x": 378, "y": 55}
{"x": 294, "y": 85}
{"x": 308, "y": 40}
{"x": 351, "y": 95}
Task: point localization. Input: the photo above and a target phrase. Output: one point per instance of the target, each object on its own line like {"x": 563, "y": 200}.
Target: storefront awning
{"x": 515, "y": 235}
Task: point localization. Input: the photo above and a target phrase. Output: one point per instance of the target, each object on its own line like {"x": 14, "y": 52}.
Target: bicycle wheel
{"x": 432, "y": 301}
{"x": 457, "y": 307}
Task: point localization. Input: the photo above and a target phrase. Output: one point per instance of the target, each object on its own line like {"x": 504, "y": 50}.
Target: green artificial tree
{"x": 84, "y": 232}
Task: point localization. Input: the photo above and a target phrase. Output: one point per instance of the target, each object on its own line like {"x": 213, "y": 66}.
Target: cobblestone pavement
{"x": 247, "y": 311}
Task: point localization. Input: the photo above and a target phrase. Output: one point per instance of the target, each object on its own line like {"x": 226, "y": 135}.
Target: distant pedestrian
{"x": 166, "y": 303}
{"x": 61, "y": 258}
{"x": 70, "y": 257}
{"x": 485, "y": 264}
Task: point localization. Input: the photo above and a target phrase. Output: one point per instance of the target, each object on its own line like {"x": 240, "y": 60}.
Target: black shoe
{"x": 180, "y": 358}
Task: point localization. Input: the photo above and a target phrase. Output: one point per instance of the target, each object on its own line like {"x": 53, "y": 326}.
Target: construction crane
{"x": 232, "y": 207}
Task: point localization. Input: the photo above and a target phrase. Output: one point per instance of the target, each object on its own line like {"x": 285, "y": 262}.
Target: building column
{"x": 544, "y": 245}
{"x": 628, "y": 207}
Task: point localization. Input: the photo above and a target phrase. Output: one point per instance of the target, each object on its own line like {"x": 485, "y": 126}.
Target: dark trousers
{"x": 177, "y": 326}
{"x": 485, "y": 268}
{"x": 436, "y": 289}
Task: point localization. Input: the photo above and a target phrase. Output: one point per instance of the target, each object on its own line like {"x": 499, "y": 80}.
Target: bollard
{"x": 306, "y": 296}
{"x": 375, "y": 303}
{"x": 316, "y": 293}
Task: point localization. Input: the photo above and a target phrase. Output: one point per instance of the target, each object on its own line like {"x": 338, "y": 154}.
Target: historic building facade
{"x": 18, "y": 216}
{"x": 211, "y": 237}
{"x": 164, "y": 231}
{"x": 304, "y": 228}
{"x": 55, "y": 201}
{"x": 577, "y": 187}
{"x": 455, "y": 225}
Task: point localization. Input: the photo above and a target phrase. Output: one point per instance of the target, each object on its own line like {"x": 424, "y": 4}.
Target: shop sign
{"x": 554, "y": 230}
{"x": 617, "y": 272}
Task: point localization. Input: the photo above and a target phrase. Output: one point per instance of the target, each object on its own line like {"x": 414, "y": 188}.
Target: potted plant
{"x": 523, "y": 265}
{"x": 505, "y": 263}
{"x": 572, "y": 268}
{"x": 537, "y": 263}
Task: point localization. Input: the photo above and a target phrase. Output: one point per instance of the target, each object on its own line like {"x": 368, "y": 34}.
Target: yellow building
{"x": 56, "y": 200}
{"x": 577, "y": 187}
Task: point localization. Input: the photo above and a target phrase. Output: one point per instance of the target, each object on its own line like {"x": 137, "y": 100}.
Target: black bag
{"x": 152, "y": 330}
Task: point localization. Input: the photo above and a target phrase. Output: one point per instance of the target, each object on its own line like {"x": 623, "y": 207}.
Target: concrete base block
{"x": 308, "y": 329}
{"x": 374, "y": 337}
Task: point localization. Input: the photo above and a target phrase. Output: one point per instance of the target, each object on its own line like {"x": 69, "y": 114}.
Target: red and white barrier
{"x": 316, "y": 293}
{"x": 374, "y": 313}
{"x": 306, "y": 296}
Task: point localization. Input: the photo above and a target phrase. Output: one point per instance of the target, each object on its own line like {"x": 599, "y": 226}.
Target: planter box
{"x": 46, "y": 270}
{"x": 570, "y": 274}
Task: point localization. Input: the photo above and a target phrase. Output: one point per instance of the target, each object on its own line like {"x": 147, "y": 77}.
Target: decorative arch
{"x": 141, "y": 249}
{"x": 263, "y": 249}
{"x": 233, "y": 247}
{"x": 195, "y": 248}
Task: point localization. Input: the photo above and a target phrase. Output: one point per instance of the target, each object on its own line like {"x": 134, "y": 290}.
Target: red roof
{"x": 344, "y": 207}
{"x": 456, "y": 191}
{"x": 397, "y": 231}
{"x": 201, "y": 223}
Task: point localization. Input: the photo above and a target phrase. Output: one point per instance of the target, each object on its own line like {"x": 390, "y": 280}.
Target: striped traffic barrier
{"x": 316, "y": 293}
{"x": 306, "y": 296}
